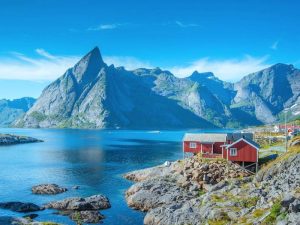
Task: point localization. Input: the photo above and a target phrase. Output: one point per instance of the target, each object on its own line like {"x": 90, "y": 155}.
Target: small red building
{"x": 235, "y": 147}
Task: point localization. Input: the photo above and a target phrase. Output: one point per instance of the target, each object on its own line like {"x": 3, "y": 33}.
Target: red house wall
{"x": 218, "y": 148}
{"x": 186, "y": 147}
{"x": 245, "y": 152}
{"x": 206, "y": 147}
{"x": 225, "y": 153}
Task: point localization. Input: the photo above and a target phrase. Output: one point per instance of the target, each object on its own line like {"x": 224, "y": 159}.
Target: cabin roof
{"x": 250, "y": 142}
{"x": 216, "y": 137}
{"x": 205, "y": 137}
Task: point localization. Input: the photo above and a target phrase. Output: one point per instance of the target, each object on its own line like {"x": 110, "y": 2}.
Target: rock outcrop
{"x": 48, "y": 189}
{"x": 8, "y": 139}
{"x": 211, "y": 192}
{"x": 85, "y": 209}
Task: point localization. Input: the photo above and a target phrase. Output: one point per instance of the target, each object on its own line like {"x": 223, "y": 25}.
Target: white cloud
{"x": 45, "y": 67}
{"x": 274, "y": 46}
{"x": 228, "y": 70}
{"x": 48, "y": 67}
{"x": 105, "y": 27}
{"x": 130, "y": 63}
{"x": 185, "y": 25}
{"x": 44, "y": 53}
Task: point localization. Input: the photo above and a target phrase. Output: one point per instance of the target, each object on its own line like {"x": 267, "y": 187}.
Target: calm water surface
{"x": 93, "y": 159}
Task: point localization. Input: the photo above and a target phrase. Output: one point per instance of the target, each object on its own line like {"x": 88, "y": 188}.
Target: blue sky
{"x": 40, "y": 39}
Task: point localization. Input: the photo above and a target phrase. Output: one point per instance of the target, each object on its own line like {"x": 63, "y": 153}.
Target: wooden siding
{"x": 186, "y": 147}
{"x": 211, "y": 148}
{"x": 245, "y": 152}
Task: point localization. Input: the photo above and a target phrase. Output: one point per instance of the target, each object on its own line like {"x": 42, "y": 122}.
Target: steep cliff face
{"x": 268, "y": 92}
{"x": 94, "y": 95}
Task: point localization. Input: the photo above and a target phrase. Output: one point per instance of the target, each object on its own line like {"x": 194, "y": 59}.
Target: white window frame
{"x": 193, "y": 145}
{"x": 233, "y": 151}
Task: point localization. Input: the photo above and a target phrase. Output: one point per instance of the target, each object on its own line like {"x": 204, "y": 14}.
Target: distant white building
{"x": 276, "y": 129}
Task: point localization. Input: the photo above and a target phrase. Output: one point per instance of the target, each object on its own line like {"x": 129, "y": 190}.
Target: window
{"x": 233, "y": 151}
{"x": 193, "y": 145}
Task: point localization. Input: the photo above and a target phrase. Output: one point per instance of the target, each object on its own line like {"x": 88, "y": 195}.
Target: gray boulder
{"x": 95, "y": 202}
{"x": 47, "y": 189}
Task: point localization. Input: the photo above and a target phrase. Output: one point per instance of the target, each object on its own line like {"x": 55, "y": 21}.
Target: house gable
{"x": 246, "y": 151}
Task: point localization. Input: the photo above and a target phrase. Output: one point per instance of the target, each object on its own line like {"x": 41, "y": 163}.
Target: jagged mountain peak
{"x": 282, "y": 65}
{"x": 278, "y": 69}
{"x": 205, "y": 75}
{"x": 196, "y": 73}
{"x": 94, "y": 95}
{"x": 89, "y": 66}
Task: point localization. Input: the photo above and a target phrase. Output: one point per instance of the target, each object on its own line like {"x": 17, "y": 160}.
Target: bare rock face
{"x": 48, "y": 189}
{"x": 268, "y": 91}
{"x": 155, "y": 192}
{"x": 20, "y": 207}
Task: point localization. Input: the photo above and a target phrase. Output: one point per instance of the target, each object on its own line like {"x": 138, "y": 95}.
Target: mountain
{"x": 268, "y": 92}
{"x": 94, "y": 95}
{"x": 10, "y": 110}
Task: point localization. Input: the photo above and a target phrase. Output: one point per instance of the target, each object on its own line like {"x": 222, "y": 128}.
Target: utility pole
{"x": 285, "y": 115}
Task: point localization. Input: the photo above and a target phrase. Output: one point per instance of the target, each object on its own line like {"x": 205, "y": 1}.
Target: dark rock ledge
{"x": 9, "y": 139}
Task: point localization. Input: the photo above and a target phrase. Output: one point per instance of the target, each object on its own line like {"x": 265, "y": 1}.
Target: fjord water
{"x": 93, "y": 159}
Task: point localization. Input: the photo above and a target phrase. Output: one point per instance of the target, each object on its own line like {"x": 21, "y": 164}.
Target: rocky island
{"x": 80, "y": 210}
{"x": 200, "y": 191}
{"x": 9, "y": 139}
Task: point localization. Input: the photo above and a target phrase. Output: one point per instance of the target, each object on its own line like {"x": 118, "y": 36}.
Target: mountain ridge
{"x": 11, "y": 110}
{"x": 94, "y": 95}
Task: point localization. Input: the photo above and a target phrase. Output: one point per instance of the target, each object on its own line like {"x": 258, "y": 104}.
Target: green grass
{"x": 220, "y": 221}
{"x": 201, "y": 192}
{"x": 258, "y": 213}
{"x": 217, "y": 198}
{"x": 246, "y": 202}
{"x": 274, "y": 213}
{"x": 50, "y": 223}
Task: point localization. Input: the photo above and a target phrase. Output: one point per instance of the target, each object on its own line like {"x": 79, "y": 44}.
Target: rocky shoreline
{"x": 80, "y": 210}
{"x": 9, "y": 139}
{"x": 198, "y": 191}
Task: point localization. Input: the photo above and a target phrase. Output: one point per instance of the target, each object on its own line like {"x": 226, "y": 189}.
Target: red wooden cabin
{"x": 235, "y": 147}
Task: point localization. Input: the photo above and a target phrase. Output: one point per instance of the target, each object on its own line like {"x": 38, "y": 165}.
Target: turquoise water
{"x": 93, "y": 159}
